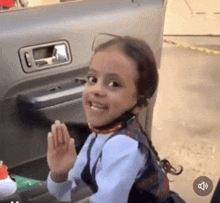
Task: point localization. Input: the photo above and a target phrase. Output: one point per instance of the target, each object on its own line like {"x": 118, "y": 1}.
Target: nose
{"x": 98, "y": 89}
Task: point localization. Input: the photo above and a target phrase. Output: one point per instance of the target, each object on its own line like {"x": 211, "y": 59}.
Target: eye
{"x": 114, "y": 84}
{"x": 91, "y": 79}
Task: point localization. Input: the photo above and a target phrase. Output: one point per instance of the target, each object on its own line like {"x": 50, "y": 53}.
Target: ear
{"x": 137, "y": 110}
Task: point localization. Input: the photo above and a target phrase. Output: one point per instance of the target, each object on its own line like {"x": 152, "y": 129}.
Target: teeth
{"x": 96, "y": 106}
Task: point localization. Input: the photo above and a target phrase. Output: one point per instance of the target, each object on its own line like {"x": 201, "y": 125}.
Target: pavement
{"x": 186, "y": 121}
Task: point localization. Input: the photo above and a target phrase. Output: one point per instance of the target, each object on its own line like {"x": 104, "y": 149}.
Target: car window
{"x": 8, "y": 5}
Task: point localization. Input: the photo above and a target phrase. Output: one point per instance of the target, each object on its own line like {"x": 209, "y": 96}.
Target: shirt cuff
{"x": 62, "y": 191}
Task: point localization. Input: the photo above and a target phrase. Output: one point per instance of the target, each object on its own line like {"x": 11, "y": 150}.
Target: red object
{"x": 7, "y": 3}
{"x": 3, "y": 172}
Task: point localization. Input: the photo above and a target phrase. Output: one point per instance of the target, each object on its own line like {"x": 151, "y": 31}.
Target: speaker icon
{"x": 203, "y": 186}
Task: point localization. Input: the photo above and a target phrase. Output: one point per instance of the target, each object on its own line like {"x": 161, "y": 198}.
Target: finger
{"x": 50, "y": 141}
{"x": 66, "y": 135}
{"x": 72, "y": 148}
{"x": 59, "y": 132}
{"x": 54, "y": 136}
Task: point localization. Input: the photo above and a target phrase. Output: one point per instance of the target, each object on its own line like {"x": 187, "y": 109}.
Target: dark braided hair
{"x": 140, "y": 52}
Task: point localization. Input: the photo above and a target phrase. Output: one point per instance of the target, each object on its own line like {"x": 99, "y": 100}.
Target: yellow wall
{"x": 32, "y": 3}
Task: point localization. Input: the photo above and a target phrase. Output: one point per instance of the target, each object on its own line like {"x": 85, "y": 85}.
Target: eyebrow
{"x": 92, "y": 70}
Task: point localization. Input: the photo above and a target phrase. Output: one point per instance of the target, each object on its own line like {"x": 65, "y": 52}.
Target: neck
{"x": 119, "y": 123}
{"x": 107, "y": 130}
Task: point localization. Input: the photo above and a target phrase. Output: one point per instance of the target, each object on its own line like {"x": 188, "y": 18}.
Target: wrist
{"x": 58, "y": 178}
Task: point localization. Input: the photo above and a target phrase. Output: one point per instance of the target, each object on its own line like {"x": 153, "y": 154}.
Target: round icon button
{"x": 202, "y": 186}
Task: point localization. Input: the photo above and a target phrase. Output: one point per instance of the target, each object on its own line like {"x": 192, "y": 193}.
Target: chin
{"x": 98, "y": 124}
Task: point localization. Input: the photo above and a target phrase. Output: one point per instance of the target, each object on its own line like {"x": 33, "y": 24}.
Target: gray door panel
{"x": 31, "y": 100}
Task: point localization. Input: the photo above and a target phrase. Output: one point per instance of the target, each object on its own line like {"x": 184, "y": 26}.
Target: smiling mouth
{"x": 97, "y": 106}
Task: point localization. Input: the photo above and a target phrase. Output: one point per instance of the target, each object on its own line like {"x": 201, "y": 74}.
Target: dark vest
{"x": 149, "y": 184}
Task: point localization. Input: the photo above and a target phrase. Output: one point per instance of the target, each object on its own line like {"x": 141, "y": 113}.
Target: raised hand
{"x": 61, "y": 151}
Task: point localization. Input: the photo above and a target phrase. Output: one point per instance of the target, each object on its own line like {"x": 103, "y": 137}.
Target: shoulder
{"x": 119, "y": 140}
{"x": 122, "y": 151}
{"x": 121, "y": 145}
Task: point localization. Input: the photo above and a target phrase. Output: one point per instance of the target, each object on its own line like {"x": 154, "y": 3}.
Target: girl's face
{"x": 111, "y": 88}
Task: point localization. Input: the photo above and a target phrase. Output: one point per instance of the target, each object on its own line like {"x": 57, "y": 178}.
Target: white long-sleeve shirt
{"x": 121, "y": 163}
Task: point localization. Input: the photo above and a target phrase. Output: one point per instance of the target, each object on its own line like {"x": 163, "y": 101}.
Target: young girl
{"x": 117, "y": 161}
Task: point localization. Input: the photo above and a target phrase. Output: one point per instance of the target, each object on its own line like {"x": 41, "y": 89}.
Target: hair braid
{"x": 168, "y": 168}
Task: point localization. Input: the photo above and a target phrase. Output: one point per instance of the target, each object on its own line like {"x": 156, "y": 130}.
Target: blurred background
{"x": 186, "y": 122}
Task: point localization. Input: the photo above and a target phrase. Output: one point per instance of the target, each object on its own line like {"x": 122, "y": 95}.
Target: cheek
{"x": 130, "y": 94}
{"x": 84, "y": 96}
{"x": 124, "y": 100}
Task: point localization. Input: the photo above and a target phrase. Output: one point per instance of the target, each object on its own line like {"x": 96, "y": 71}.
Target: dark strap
{"x": 216, "y": 195}
{"x": 165, "y": 190}
{"x": 86, "y": 175}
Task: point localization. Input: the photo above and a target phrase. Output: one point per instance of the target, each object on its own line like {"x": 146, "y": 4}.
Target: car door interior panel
{"x": 44, "y": 57}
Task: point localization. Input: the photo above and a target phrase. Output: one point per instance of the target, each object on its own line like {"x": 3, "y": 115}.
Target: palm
{"x": 61, "y": 150}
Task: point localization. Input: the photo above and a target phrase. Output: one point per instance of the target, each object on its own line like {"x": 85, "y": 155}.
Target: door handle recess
{"x": 35, "y": 58}
{"x": 59, "y": 55}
